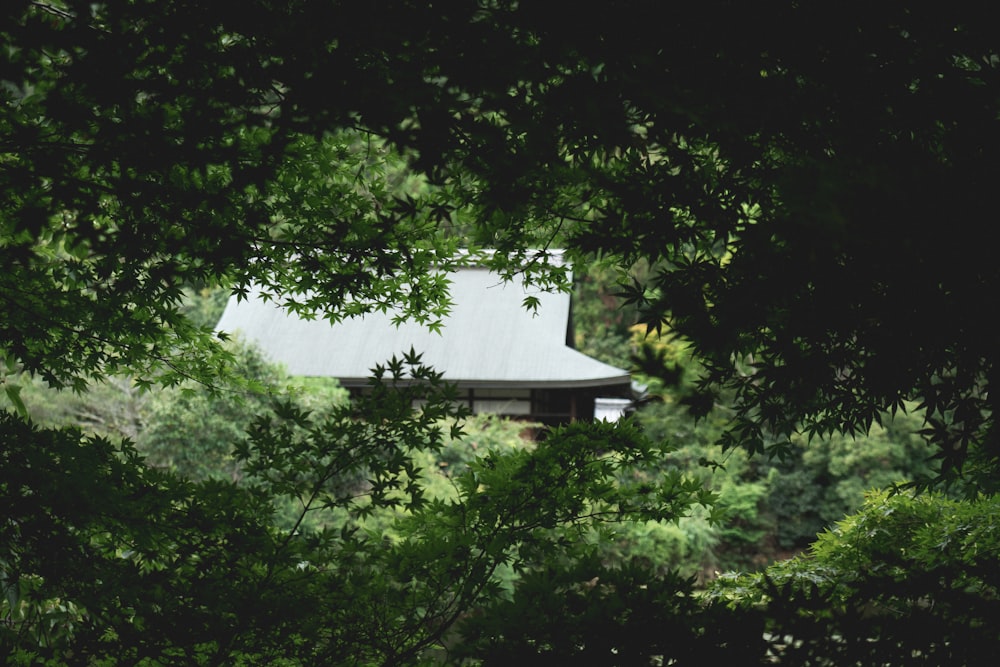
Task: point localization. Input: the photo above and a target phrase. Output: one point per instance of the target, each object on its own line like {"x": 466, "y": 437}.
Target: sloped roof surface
{"x": 488, "y": 340}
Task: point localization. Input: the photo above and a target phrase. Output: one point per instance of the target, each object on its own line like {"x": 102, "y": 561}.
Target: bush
{"x": 908, "y": 579}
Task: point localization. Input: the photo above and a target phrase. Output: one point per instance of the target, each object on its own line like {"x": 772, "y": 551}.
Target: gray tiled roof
{"x": 488, "y": 340}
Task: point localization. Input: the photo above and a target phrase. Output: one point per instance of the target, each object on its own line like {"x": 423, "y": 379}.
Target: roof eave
{"x": 594, "y": 383}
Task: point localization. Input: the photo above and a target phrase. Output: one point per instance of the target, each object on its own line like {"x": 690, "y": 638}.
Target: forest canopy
{"x": 799, "y": 191}
{"x": 786, "y": 167}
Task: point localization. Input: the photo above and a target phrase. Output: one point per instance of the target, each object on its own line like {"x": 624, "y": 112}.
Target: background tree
{"x": 192, "y": 429}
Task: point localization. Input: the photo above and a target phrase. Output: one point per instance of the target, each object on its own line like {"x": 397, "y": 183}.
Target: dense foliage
{"x": 906, "y": 580}
{"x": 117, "y": 561}
{"x": 794, "y": 189}
{"x": 771, "y": 161}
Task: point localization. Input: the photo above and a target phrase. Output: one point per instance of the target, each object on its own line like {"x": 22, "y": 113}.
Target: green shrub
{"x": 908, "y": 579}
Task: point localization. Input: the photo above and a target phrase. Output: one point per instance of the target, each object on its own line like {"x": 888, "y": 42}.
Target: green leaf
{"x": 11, "y": 363}
{"x": 13, "y": 392}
